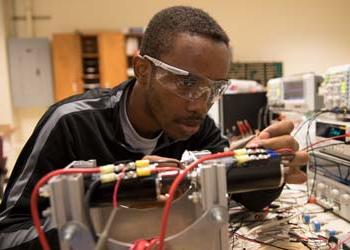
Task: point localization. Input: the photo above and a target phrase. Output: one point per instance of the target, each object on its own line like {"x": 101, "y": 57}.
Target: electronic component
{"x": 316, "y": 226}
{"x": 336, "y": 86}
{"x": 243, "y": 174}
{"x": 306, "y": 218}
{"x": 234, "y": 107}
{"x": 296, "y": 92}
{"x": 337, "y": 131}
{"x": 330, "y": 232}
{"x": 200, "y": 212}
{"x": 329, "y": 179}
{"x": 332, "y": 128}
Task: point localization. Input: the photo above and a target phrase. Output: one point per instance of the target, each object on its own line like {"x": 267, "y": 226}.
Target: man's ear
{"x": 142, "y": 69}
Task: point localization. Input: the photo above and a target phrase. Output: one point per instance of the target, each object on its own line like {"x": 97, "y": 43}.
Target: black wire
{"x": 305, "y": 244}
{"x": 241, "y": 221}
{"x": 93, "y": 186}
{"x": 260, "y": 242}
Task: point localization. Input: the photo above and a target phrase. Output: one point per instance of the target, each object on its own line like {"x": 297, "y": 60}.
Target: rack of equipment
{"x": 336, "y": 86}
{"x": 329, "y": 168}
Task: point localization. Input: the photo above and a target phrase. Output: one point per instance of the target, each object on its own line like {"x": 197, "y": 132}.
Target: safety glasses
{"x": 187, "y": 85}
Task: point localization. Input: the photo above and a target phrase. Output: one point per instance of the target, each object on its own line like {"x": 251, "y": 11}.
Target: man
{"x": 182, "y": 67}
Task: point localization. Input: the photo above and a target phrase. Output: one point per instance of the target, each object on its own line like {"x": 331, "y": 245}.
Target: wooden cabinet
{"x": 67, "y": 65}
{"x": 87, "y": 60}
{"x": 112, "y": 59}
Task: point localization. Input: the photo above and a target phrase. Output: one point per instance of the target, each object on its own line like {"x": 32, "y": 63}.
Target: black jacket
{"x": 85, "y": 127}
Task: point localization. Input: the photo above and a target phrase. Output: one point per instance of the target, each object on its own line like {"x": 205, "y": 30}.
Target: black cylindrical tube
{"x": 136, "y": 190}
{"x": 255, "y": 175}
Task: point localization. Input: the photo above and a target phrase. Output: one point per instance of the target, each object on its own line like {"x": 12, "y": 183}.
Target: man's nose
{"x": 199, "y": 105}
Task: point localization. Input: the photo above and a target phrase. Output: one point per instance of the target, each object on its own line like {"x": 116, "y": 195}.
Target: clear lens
{"x": 192, "y": 87}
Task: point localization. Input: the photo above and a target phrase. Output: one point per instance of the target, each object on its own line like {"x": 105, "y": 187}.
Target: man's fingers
{"x": 163, "y": 160}
{"x": 301, "y": 158}
{"x": 284, "y": 141}
{"x": 277, "y": 129}
{"x": 296, "y": 177}
{"x": 158, "y": 158}
{"x": 294, "y": 174}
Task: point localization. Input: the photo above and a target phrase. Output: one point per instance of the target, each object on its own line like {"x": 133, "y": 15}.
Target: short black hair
{"x": 167, "y": 23}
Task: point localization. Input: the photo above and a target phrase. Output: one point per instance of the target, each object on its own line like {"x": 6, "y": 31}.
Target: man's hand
{"x": 278, "y": 136}
{"x": 165, "y": 161}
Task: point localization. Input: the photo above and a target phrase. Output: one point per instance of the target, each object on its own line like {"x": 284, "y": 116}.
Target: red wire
{"x": 341, "y": 243}
{"x": 324, "y": 140}
{"x": 116, "y": 188}
{"x": 283, "y": 150}
{"x": 143, "y": 244}
{"x": 35, "y": 193}
{"x": 239, "y": 127}
{"x": 249, "y": 127}
{"x": 174, "y": 185}
{"x": 163, "y": 169}
{"x": 347, "y": 239}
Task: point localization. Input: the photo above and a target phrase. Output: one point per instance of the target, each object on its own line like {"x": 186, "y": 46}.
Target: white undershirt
{"x": 132, "y": 138}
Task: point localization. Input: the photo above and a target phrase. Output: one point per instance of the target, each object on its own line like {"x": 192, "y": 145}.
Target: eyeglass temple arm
{"x": 167, "y": 67}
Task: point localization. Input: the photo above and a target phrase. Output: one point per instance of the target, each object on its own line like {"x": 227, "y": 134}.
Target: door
{"x": 67, "y": 65}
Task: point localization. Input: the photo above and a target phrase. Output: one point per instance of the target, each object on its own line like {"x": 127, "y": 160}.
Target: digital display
{"x": 293, "y": 89}
{"x": 328, "y": 130}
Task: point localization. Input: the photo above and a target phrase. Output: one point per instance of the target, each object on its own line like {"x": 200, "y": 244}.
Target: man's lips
{"x": 190, "y": 126}
{"x": 191, "y": 123}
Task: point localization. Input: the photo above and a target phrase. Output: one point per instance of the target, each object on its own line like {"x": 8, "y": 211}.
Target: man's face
{"x": 179, "y": 117}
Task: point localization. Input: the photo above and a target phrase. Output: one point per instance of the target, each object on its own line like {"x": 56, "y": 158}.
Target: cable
{"x": 173, "y": 188}
{"x": 259, "y": 242}
{"x": 240, "y": 128}
{"x": 270, "y": 224}
{"x": 34, "y": 199}
{"x": 116, "y": 188}
{"x": 144, "y": 244}
{"x": 327, "y": 139}
{"x": 164, "y": 169}
{"x": 325, "y": 210}
{"x": 251, "y": 132}
{"x": 345, "y": 240}
{"x": 308, "y": 144}
{"x": 313, "y": 117}
{"x": 104, "y": 235}
{"x": 282, "y": 150}
{"x": 328, "y": 145}
{"x": 94, "y": 185}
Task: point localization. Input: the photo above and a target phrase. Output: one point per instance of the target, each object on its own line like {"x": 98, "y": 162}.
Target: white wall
{"x": 6, "y": 116}
{"x": 306, "y": 35}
